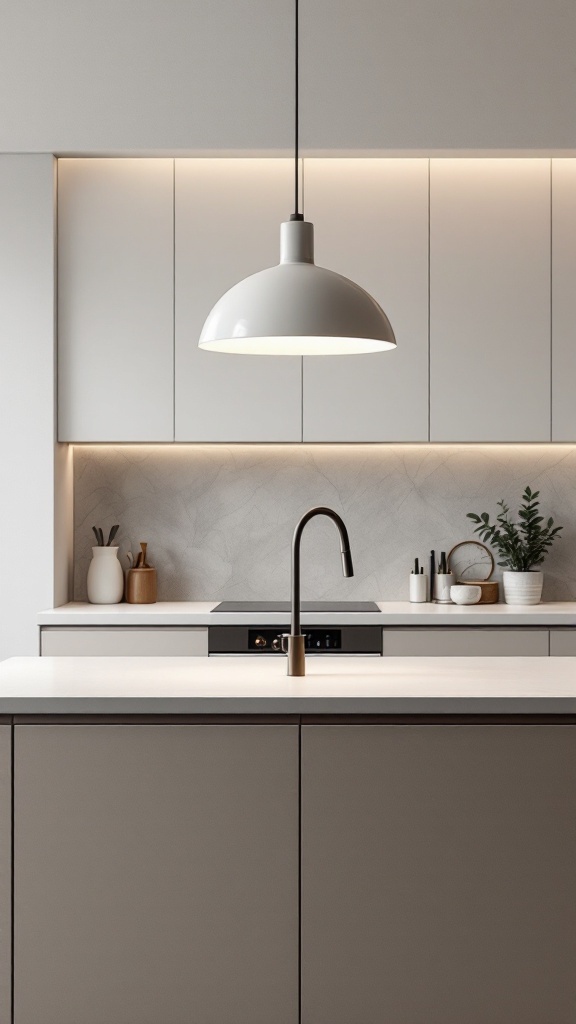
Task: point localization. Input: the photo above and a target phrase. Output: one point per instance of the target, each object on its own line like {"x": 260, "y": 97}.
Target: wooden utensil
{"x": 112, "y": 534}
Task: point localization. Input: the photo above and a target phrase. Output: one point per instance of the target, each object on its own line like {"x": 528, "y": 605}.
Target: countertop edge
{"x": 288, "y": 706}
{"x": 199, "y": 614}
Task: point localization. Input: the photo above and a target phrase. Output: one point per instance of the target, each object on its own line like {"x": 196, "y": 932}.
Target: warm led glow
{"x": 302, "y": 346}
{"x": 301, "y": 446}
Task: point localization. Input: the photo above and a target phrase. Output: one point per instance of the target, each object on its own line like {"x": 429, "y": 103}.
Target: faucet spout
{"x": 347, "y": 567}
{"x": 295, "y": 641}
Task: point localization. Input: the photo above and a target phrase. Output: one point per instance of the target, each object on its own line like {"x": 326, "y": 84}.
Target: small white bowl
{"x": 465, "y": 593}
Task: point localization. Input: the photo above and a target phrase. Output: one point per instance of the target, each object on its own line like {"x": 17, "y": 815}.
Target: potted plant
{"x": 521, "y": 546}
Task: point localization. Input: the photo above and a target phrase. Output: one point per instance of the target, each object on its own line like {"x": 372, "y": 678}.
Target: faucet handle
{"x": 284, "y": 637}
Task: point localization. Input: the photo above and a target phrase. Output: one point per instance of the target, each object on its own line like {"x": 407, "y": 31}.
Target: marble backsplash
{"x": 219, "y": 520}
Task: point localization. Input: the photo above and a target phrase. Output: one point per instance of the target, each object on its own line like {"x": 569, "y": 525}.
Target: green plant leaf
{"x": 520, "y": 544}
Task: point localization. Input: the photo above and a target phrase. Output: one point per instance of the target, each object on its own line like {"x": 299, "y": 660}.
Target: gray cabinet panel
{"x": 5, "y": 872}
{"x": 438, "y": 874}
{"x": 157, "y": 874}
{"x": 563, "y": 643}
{"x": 97, "y": 641}
{"x": 461, "y": 642}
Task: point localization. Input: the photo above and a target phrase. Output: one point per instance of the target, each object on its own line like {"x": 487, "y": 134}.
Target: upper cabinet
{"x": 490, "y": 344}
{"x": 115, "y": 300}
{"x": 563, "y": 299}
{"x": 371, "y": 225}
{"x": 228, "y": 216}
{"x": 456, "y": 251}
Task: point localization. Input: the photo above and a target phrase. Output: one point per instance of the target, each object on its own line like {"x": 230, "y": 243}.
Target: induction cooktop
{"x": 307, "y": 606}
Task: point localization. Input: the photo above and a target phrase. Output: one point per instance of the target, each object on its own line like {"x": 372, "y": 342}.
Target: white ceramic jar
{"x": 418, "y": 588}
{"x": 443, "y": 581}
{"x": 522, "y": 587}
{"x": 105, "y": 577}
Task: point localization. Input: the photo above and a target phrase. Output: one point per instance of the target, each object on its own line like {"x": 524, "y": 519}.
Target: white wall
{"x": 27, "y": 418}
{"x": 377, "y": 75}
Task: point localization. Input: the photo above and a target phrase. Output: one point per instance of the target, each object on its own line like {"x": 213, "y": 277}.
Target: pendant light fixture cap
{"x": 297, "y": 241}
{"x": 297, "y": 308}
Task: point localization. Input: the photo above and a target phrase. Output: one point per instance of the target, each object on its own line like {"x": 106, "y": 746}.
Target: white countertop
{"x": 392, "y": 613}
{"x": 260, "y": 686}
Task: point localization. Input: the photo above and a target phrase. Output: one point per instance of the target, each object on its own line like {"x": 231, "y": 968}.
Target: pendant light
{"x": 297, "y": 308}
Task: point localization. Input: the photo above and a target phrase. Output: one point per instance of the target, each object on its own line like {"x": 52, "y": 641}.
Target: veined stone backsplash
{"x": 219, "y": 520}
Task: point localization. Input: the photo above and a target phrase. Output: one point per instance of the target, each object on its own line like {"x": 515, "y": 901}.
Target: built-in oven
{"x": 248, "y": 635}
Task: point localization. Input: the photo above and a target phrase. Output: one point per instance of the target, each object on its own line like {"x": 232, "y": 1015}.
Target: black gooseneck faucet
{"x": 293, "y": 643}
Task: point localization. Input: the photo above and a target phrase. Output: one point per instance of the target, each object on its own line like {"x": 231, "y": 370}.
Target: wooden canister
{"x": 141, "y": 586}
{"x": 489, "y": 588}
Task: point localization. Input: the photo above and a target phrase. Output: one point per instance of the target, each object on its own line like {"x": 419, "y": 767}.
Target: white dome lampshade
{"x": 297, "y": 308}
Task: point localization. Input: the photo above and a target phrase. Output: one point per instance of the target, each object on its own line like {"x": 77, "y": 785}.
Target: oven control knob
{"x": 260, "y": 641}
{"x": 276, "y": 644}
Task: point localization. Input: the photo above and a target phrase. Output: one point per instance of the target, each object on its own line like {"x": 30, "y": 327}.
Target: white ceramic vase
{"x": 105, "y": 577}
{"x": 523, "y": 587}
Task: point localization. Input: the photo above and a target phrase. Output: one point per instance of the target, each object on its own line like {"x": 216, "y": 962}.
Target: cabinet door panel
{"x": 461, "y": 642}
{"x": 97, "y": 641}
{"x": 438, "y": 874}
{"x": 5, "y": 872}
{"x": 115, "y": 300}
{"x": 563, "y": 299}
{"x": 490, "y": 300}
{"x": 371, "y": 224}
{"x": 157, "y": 874}
{"x": 563, "y": 643}
{"x": 228, "y": 215}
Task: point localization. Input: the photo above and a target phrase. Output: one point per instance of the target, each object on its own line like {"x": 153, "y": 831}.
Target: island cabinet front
{"x": 438, "y": 874}
{"x": 326, "y": 872}
{"x": 156, "y": 874}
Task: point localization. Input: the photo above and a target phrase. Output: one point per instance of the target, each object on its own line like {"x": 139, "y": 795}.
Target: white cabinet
{"x": 228, "y": 215}
{"x": 457, "y": 251}
{"x": 115, "y": 300}
{"x": 490, "y": 342}
{"x": 124, "y": 642}
{"x": 465, "y": 643}
{"x": 563, "y": 300}
{"x": 371, "y": 225}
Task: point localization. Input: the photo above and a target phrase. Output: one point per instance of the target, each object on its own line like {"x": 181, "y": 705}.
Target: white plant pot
{"x": 105, "y": 577}
{"x": 522, "y": 587}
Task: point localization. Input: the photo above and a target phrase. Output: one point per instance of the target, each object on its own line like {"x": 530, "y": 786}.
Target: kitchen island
{"x": 207, "y": 840}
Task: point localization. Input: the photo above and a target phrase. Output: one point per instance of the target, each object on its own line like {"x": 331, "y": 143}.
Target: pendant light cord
{"x": 296, "y": 215}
